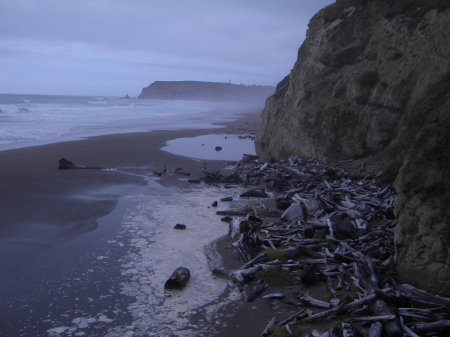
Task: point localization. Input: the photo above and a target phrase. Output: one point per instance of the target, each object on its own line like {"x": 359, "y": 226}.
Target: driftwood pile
{"x": 336, "y": 228}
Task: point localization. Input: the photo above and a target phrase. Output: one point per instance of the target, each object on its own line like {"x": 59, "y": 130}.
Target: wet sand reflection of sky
{"x": 204, "y": 147}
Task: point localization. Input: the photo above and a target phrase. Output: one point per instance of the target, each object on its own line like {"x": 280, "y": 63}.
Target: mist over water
{"x": 27, "y": 120}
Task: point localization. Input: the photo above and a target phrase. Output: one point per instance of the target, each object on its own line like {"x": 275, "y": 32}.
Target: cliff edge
{"x": 206, "y": 91}
{"x": 372, "y": 81}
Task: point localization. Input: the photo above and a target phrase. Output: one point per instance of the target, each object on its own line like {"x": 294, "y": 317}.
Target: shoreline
{"x": 64, "y": 204}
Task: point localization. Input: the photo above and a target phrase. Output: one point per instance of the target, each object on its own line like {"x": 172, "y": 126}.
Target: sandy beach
{"x": 45, "y": 210}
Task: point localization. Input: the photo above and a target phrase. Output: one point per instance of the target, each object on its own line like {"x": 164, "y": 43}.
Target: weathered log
{"x": 301, "y": 314}
{"x": 303, "y": 263}
{"x": 255, "y": 193}
{"x": 373, "y": 318}
{"x": 392, "y": 327}
{"x": 260, "y": 258}
{"x": 306, "y": 251}
{"x": 247, "y": 247}
{"x": 178, "y": 279}
{"x": 425, "y": 296}
{"x": 297, "y": 211}
{"x": 274, "y": 295}
{"x": 304, "y": 298}
{"x": 257, "y": 288}
{"x": 266, "y": 330}
{"x": 439, "y": 326}
{"x": 322, "y": 315}
{"x": 242, "y": 275}
{"x": 330, "y": 286}
{"x": 368, "y": 278}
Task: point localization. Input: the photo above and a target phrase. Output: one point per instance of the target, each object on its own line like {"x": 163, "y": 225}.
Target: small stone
{"x": 214, "y": 204}
{"x": 227, "y": 199}
{"x": 180, "y": 226}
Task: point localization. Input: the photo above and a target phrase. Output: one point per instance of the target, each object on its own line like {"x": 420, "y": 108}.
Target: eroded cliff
{"x": 372, "y": 81}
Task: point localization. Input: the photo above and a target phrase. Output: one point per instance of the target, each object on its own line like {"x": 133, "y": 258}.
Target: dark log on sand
{"x": 64, "y": 164}
{"x": 256, "y": 193}
{"x": 178, "y": 279}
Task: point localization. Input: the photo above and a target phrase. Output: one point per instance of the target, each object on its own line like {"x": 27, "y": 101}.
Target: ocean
{"x": 28, "y": 120}
{"x": 109, "y": 281}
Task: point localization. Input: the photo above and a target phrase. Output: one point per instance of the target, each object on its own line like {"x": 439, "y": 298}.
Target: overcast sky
{"x": 117, "y": 47}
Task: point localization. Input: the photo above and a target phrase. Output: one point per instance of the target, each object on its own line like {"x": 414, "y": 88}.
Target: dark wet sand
{"x": 41, "y": 206}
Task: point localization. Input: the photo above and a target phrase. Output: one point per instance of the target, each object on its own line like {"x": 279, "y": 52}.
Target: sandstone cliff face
{"x": 205, "y": 91}
{"x": 372, "y": 80}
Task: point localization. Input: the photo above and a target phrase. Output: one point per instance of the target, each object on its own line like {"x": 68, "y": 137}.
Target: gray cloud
{"x": 112, "y": 47}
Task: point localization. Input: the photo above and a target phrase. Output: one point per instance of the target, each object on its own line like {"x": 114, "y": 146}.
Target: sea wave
{"x": 97, "y": 102}
{"x": 11, "y": 109}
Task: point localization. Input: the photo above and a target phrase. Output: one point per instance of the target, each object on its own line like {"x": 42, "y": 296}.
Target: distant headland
{"x": 206, "y": 91}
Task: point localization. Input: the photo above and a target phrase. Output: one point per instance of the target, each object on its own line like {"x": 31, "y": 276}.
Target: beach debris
{"x": 255, "y": 193}
{"x": 226, "y": 219}
{"x": 214, "y": 204}
{"x": 271, "y": 323}
{"x": 64, "y": 164}
{"x": 178, "y": 279}
{"x": 274, "y": 295}
{"x": 180, "y": 226}
{"x": 257, "y": 288}
{"x": 218, "y": 148}
{"x": 227, "y": 199}
{"x": 179, "y": 170}
{"x": 337, "y": 230}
